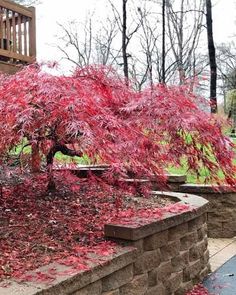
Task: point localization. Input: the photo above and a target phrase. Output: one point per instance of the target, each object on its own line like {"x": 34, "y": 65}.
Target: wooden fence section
{"x": 17, "y": 33}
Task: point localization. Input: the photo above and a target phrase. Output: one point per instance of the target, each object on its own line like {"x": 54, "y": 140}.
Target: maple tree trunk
{"x": 57, "y": 147}
{"x": 51, "y": 182}
{"x": 212, "y": 57}
{"x": 35, "y": 158}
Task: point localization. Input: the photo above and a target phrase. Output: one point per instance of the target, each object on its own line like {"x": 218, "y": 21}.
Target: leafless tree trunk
{"x": 212, "y": 57}
{"x": 127, "y": 33}
{"x": 139, "y": 74}
{"x": 175, "y": 27}
{"x": 124, "y": 39}
{"x": 156, "y": 63}
{"x": 163, "y": 71}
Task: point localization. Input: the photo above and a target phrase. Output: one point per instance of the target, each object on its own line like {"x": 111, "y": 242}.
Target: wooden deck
{"x": 17, "y": 36}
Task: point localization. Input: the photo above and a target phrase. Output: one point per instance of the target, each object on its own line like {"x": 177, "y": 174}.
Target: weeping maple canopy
{"x": 94, "y": 112}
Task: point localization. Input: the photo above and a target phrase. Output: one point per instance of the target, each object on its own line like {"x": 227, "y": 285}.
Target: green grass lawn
{"x": 58, "y": 157}
{"x": 68, "y": 160}
{"x": 191, "y": 178}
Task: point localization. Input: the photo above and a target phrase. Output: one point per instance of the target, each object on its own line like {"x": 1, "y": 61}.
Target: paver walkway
{"x": 223, "y": 265}
{"x": 221, "y": 250}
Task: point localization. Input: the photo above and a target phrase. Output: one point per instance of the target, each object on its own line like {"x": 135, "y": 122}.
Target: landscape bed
{"x": 141, "y": 252}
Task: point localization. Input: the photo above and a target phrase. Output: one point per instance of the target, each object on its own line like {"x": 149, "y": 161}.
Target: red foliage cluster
{"x": 93, "y": 112}
{"x": 199, "y": 290}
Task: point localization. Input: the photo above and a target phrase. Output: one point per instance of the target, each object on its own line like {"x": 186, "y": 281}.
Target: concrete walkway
{"x": 221, "y": 250}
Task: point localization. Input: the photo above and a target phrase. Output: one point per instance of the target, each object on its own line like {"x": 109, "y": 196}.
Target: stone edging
{"x": 206, "y": 189}
{"x": 67, "y": 284}
{"x": 120, "y": 231}
{"x": 221, "y": 213}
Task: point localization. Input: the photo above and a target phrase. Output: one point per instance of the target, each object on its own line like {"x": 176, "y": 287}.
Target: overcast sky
{"x": 51, "y": 12}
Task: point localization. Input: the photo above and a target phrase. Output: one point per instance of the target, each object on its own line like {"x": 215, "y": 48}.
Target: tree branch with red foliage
{"x": 100, "y": 116}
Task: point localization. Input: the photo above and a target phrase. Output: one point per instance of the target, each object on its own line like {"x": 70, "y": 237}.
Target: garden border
{"x": 168, "y": 255}
{"x": 221, "y": 215}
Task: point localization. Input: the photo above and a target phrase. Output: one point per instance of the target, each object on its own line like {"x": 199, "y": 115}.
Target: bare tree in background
{"x": 77, "y": 45}
{"x": 127, "y": 31}
{"x": 147, "y": 67}
{"x": 212, "y": 57}
{"x": 226, "y": 65}
{"x": 106, "y": 53}
{"x": 226, "y": 68}
{"x": 163, "y": 66}
{"x": 148, "y": 37}
{"x": 159, "y": 51}
{"x": 124, "y": 39}
{"x": 185, "y": 24}
{"x": 82, "y": 45}
{"x": 149, "y": 41}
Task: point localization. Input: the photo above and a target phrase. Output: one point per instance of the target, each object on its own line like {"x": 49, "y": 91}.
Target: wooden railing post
{"x": 32, "y": 33}
{"x": 1, "y": 27}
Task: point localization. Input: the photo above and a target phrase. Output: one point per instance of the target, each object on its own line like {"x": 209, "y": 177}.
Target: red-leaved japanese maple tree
{"x": 93, "y": 112}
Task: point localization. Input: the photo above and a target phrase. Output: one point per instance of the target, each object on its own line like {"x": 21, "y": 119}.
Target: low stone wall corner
{"x": 221, "y": 213}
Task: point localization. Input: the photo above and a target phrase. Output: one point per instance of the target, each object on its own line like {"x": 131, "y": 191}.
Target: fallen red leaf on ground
{"x": 199, "y": 290}
{"x": 66, "y": 226}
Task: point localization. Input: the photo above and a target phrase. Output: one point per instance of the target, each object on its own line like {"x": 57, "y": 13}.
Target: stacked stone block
{"x": 221, "y": 214}
{"x": 172, "y": 255}
{"x": 170, "y": 261}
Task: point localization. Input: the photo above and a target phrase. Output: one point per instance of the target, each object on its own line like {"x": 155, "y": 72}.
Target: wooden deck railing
{"x": 17, "y": 33}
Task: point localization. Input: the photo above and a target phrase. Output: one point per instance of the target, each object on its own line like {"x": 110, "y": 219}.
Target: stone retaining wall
{"x": 221, "y": 215}
{"x": 159, "y": 257}
{"x": 174, "y": 181}
{"x": 172, "y": 253}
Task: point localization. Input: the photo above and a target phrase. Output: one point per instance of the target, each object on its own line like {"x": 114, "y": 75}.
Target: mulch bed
{"x": 38, "y": 228}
